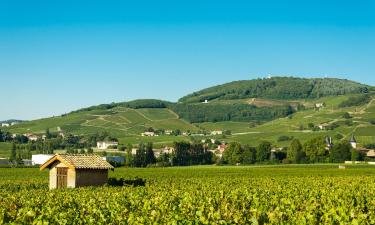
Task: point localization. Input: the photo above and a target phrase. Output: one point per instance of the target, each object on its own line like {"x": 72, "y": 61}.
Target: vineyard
{"x": 316, "y": 194}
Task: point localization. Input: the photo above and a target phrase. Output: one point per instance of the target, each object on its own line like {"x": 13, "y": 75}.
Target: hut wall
{"x": 91, "y": 177}
{"x": 52, "y": 178}
{"x": 71, "y": 176}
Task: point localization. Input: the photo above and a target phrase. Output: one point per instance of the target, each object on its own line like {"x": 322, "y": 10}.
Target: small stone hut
{"x": 76, "y": 170}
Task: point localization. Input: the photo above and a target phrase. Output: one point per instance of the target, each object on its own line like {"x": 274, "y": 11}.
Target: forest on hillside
{"x": 278, "y": 88}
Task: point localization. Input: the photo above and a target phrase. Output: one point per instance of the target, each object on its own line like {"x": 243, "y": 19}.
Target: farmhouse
{"x": 148, "y": 134}
{"x": 106, "y": 144}
{"x": 31, "y": 137}
{"x": 318, "y": 106}
{"x": 5, "y": 124}
{"x": 71, "y": 171}
{"x": 217, "y": 132}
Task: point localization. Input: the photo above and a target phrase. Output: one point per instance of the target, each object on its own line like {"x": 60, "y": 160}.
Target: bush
{"x": 137, "y": 182}
{"x": 356, "y": 101}
{"x": 284, "y": 138}
{"x": 346, "y": 115}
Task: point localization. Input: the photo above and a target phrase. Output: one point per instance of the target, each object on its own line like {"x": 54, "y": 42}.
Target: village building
{"x": 319, "y": 106}
{"x": 148, "y": 134}
{"x": 329, "y": 143}
{"x": 371, "y": 154}
{"x": 71, "y": 171}
{"x": 5, "y": 124}
{"x": 205, "y": 101}
{"x": 31, "y": 136}
{"x": 353, "y": 142}
{"x": 40, "y": 159}
{"x": 168, "y": 132}
{"x": 222, "y": 147}
{"x": 106, "y": 144}
{"x": 13, "y": 123}
{"x": 217, "y": 132}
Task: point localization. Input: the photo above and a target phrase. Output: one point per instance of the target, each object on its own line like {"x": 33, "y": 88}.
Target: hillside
{"x": 250, "y": 120}
{"x": 278, "y": 88}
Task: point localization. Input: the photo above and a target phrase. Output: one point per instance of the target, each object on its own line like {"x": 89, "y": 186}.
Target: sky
{"x": 59, "y": 56}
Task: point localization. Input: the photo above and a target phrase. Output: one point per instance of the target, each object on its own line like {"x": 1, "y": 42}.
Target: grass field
{"x": 292, "y": 194}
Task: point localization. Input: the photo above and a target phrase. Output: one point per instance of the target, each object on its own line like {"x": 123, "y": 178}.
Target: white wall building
{"x": 40, "y": 159}
{"x": 217, "y": 132}
{"x": 148, "y": 134}
{"x": 5, "y": 124}
{"x": 106, "y": 144}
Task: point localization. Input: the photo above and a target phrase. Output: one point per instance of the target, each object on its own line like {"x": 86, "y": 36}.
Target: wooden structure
{"x": 74, "y": 170}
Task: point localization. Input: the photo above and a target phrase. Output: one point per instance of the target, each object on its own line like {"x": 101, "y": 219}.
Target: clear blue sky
{"x": 58, "y": 56}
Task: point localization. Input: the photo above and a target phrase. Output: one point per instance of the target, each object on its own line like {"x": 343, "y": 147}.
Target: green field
{"x": 293, "y": 194}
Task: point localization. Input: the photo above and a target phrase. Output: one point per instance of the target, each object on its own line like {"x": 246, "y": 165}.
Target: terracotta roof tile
{"x": 80, "y": 161}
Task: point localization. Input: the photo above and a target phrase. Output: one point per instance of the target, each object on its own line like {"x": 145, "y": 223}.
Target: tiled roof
{"x": 371, "y": 153}
{"x": 79, "y": 161}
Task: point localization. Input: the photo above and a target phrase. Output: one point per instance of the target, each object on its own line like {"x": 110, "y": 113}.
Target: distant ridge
{"x": 278, "y": 88}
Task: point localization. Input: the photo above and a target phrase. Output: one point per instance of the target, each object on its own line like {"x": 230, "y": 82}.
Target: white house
{"x": 13, "y": 123}
{"x": 168, "y": 132}
{"x": 106, "y": 144}
{"x": 5, "y": 124}
{"x": 217, "y": 132}
{"x": 148, "y": 134}
{"x": 353, "y": 142}
{"x": 40, "y": 159}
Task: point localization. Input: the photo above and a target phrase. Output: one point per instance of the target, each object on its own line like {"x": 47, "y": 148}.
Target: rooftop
{"x": 79, "y": 161}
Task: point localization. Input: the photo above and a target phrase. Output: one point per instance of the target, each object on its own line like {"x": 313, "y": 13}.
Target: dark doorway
{"x": 62, "y": 177}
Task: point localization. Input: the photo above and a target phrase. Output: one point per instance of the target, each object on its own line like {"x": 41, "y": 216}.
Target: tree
{"x": 181, "y": 153}
{"x": 294, "y": 151}
{"x": 48, "y": 134}
{"x": 233, "y": 153}
{"x": 90, "y": 151}
{"x": 341, "y": 152}
{"x": 263, "y": 151}
{"x": 140, "y": 156}
{"x": 357, "y": 155}
{"x": 346, "y": 115}
{"x": 13, "y": 153}
{"x": 315, "y": 149}
{"x": 248, "y": 155}
{"x": 150, "y": 156}
{"x": 129, "y": 155}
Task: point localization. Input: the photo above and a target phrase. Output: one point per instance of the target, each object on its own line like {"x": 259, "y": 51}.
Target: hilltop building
{"x": 71, "y": 171}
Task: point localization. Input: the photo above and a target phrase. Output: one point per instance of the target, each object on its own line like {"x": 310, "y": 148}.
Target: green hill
{"x": 266, "y": 110}
{"x": 278, "y": 88}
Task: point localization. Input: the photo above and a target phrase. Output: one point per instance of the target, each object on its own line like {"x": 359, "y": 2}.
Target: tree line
{"x": 229, "y": 112}
{"x": 315, "y": 150}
